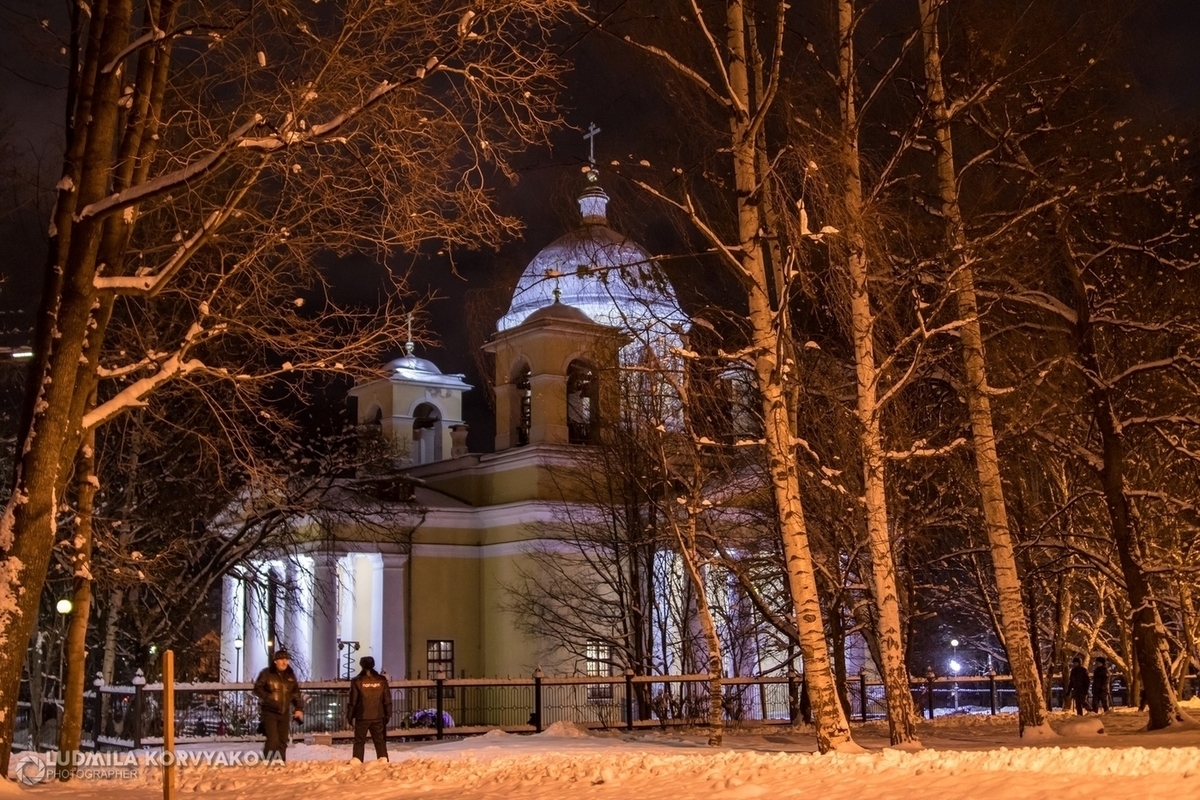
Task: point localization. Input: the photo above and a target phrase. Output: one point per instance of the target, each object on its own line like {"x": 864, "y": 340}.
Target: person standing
{"x": 1077, "y": 684}
{"x": 278, "y": 693}
{"x": 1100, "y": 685}
{"x": 369, "y": 710}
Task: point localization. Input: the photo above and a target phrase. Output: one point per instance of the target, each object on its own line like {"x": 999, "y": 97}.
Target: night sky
{"x": 1164, "y": 59}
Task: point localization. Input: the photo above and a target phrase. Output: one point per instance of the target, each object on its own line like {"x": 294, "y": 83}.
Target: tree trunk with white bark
{"x": 1019, "y": 648}
{"x": 900, "y": 711}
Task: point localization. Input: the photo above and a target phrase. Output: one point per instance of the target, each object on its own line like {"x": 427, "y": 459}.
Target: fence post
{"x": 537, "y": 699}
{"x": 793, "y": 695}
{"x": 628, "y": 698}
{"x": 139, "y": 681}
{"x": 168, "y": 712}
{"x": 97, "y": 684}
{"x": 929, "y": 676}
{"x": 438, "y": 695}
{"x": 992, "y": 689}
{"x": 862, "y": 693}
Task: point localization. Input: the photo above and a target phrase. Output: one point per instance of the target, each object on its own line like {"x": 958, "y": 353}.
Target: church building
{"x": 429, "y": 599}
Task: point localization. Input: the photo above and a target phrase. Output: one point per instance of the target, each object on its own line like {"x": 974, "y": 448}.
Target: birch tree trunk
{"x": 900, "y": 711}
{"x": 769, "y": 332}
{"x": 71, "y": 731}
{"x": 108, "y": 664}
{"x": 1031, "y": 706}
{"x": 716, "y": 692}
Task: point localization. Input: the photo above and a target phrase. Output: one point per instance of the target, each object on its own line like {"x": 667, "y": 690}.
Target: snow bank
{"x": 1090, "y": 725}
{"x": 566, "y": 730}
{"x": 565, "y": 761}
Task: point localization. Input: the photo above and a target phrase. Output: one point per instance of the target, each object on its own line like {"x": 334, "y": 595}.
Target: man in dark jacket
{"x": 278, "y": 692}
{"x": 370, "y": 709}
{"x": 1077, "y": 684}
{"x": 1100, "y": 685}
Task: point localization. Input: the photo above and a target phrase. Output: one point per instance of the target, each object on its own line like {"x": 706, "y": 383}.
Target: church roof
{"x": 559, "y": 310}
{"x": 409, "y": 367}
{"x": 607, "y": 277}
{"x": 411, "y": 363}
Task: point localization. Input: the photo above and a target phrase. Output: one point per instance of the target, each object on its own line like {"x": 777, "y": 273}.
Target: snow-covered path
{"x": 979, "y": 758}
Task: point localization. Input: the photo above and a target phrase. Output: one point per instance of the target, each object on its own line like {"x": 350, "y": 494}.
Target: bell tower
{"x": 556, "y": 378}
{"x": 417, "y": 408}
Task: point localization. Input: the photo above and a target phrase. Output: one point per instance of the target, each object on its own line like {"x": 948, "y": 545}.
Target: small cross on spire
{"x": 591, "y": 137}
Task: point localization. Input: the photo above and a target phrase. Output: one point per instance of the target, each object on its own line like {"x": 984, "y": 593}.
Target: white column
{"x": 324, "y": 617}
{"x": 254, "y": 653}
{"x": 233, "y": 628}
{"x": 364, "y": 596}
{"x": 300, "y": 615}
{"x": 393, "y": 633}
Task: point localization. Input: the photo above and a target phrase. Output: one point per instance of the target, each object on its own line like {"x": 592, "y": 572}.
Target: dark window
{"x": 583, "y": 405}
{"x": 525, "y": 411}
{"x": 598, "y": 664}
{"x": 439, "y": 658}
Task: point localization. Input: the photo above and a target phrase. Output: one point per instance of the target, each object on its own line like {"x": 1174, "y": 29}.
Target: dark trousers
{"x": 1099, "y": 701}
{"x": 376, "y": 729}
{"x": 278, "y": 730}
{"x": 1080, "y": 699}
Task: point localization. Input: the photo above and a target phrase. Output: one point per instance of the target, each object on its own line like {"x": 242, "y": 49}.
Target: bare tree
{"x": 960, "y": 257}
{"x": 732, "y": 56}
{"x": 262, "y": 134}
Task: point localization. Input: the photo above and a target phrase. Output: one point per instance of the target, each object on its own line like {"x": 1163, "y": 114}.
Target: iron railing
{"x": 131, "y": 716}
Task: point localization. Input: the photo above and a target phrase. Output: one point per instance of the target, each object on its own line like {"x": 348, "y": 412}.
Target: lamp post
{"x": 350, "y": 648}
{"x": 237, "y": 660}
{"x": 955, "y": 666}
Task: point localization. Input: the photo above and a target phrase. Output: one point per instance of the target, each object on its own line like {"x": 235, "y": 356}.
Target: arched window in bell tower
{"x": 583, "y": 403}
{"x": 524, "y": 407}
{"x": 427, "y": 434}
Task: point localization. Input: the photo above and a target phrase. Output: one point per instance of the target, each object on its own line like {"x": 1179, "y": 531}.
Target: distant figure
{"x": 1100, "y": 685}
{"x": 1077, "y": 684}
{"x": 370, "y": 709}
{"x": 278, "y": 692}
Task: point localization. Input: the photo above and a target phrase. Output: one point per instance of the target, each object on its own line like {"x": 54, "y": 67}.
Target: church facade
{"x": 431, "y": 599}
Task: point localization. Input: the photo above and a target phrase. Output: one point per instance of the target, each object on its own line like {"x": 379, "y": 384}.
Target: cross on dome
{"x": 591, "y": 140}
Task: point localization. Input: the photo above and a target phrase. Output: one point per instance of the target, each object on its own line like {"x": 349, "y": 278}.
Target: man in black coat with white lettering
{"x": 370, "y": 709}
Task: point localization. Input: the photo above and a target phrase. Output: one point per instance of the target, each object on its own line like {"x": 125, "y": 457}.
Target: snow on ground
{"x": 964, "y": 756}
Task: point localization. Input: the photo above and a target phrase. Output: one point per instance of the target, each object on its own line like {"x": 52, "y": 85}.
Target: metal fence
{"x": 131, "y": 716}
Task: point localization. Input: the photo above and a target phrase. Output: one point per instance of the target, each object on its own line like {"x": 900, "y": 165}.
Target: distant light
{"x": 153, "y": 649}
{"x": 954, "y": 642}
{"x": 64, "y": 606}
{"x": 955, "y": 666}
{"x": 237, "y": 644}
{"x": 22, "y": 352}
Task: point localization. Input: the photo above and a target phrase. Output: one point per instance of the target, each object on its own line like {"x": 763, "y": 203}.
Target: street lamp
{"x": 955, "y": 666}
{"x": 237, "y": 660}
{"x": 64, "y": 606}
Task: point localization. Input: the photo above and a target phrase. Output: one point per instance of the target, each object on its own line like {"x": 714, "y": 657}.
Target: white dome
{"x": 609, "y": 278}
{"x": 409, "y": 368}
